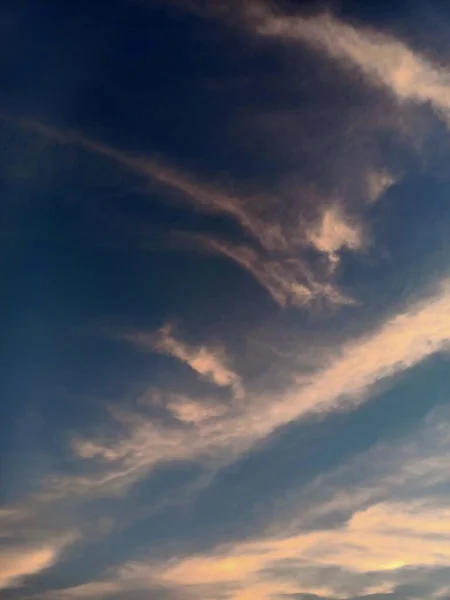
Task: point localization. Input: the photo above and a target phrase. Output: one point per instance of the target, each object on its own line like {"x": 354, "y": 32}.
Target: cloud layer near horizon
{"x": 385, "y": 538}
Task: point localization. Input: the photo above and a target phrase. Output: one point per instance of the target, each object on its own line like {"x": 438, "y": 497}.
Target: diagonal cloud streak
{"x": 273, "y": 259}
{"x": 345, "y": 382}
{"x": 288, "y": 279}
{"x": 203, "y": 197}
{"x": 208, "y": 363}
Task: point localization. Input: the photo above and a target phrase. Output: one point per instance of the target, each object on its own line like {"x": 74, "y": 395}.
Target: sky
{"x": 225, "y": 310}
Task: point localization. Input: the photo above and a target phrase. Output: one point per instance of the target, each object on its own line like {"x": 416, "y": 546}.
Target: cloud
{"x": 394, "y": 538}
{"x": 334, "y": 233}
{"x": 387, "y": 536}
{"x": 187, "y": 410}
{"x": 417, "y": 465}
{"x": 35, "y": 532}
{"x": 378, "y": 182}
{"x": 345, "y": 381}
{"x": 381, "y": 58}
{"x": 288, "y": 279}
{"x": 386, "y": 532}
{"x": 400, "y": 343}
{"x": 201, "y": 196}
{"x": 20, "y": 561}
{"x": 376, "y": 551}
{"x": 396, "y": 534}
{"x": 278, "y": 237}
{"x": 209, "y": 363}
{"x": 382, "y": 540}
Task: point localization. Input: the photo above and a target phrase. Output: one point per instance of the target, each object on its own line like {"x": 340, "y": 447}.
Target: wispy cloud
{"x": 381, "y": 539}
{"x": 384, "y": 534}
{"x": 201, "y": 196}
{"x": 416, "y": 465}
{"x": 288, "y": 279}
{"x": 272, "y": 257}
{"x": 334, "y": 233}
{"x": 389, "y": 539}
{"x": 18, "y": 561}
{"x": 389, "y": 529}
{"x": 35, "y": 533}
{"x": 397, "y": 345}
{"x": 210, "y": 363}
{"x": 393, "y": 535}
{"x": 278, "y": 236}
{"x": 382, "y": 58}
{"x": 378, "y": 182}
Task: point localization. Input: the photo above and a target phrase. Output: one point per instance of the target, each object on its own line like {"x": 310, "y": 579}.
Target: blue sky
{"x": 226, "y": 300}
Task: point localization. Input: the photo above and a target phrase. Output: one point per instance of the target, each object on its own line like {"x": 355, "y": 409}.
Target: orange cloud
{"x": 382, "y": 538}
{"x": 18, "y": 562}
